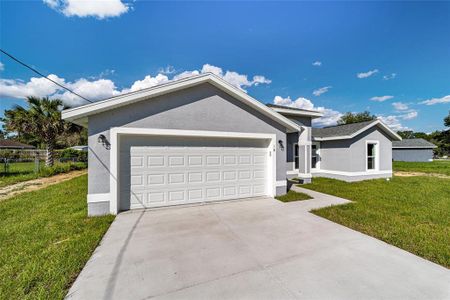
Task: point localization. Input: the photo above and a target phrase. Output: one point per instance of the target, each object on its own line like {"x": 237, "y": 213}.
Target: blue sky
{"x": 392, "y": 59}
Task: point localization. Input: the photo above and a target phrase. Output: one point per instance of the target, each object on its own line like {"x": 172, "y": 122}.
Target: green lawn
{"x": 45, "y": 240}
{"x": 293, "y": 196}
{"x": 24, "y": 171}
{"x": 412, "y": 213}
{"x": 437, "y": 166}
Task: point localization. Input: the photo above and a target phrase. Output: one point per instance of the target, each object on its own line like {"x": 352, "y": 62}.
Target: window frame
{"x": 317, "y": 144}
{"x": 376, "y": 155}
{"x": 296, "y": 158}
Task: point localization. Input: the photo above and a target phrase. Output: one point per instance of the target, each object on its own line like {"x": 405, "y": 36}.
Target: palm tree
{"x": 42, "y": 119}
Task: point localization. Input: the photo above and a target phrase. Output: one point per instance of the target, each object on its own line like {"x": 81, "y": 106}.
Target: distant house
{"x": 412, "y": 150}
{"x": 80, "y": 148}
{"x": 14, "y": 145}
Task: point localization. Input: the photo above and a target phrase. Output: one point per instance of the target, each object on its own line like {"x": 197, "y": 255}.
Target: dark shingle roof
{"x": 10, "y": 144}
{"x": 291, "y": 108}
{"x": 339, "y": 130}
{"x": 413, "y": 143}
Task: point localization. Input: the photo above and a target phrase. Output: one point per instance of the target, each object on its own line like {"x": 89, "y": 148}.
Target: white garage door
{"x": 172, "y": 175}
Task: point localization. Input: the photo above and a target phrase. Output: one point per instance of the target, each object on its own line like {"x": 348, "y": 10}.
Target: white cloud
{"x": 400, "y": 106}
{"x": 367, "y": 74}
{"x": 36, "y": 86}
{"x": 186, "y": 74}
{"x": 258, "y": 79}
{"x": 317, "y": 63}
{"x": 393, "y": 122}
{"x": 390, "y": 76}
{"x": 240, "y": 81}
{"x": 95, "y": 88}
{"x": 410, "y": 115}
{"x": 381, "y": 98}
{"x": 321, "y": 91}
{"x": 330, "y": 116}
{"x": 92, "y": 90}
{"x": 2, "y": 66}
{"x": 207, "y": 68}
{"x": 147, "y": 82}
{"x": 433, "y": 101}
{"x": 100, "y": 9}
{"x": 167, "y": 70}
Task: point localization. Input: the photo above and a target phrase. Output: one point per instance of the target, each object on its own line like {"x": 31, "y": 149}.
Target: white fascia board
{"x": 190, "y": 133}
{"x": 77, "y": 113}
{"x": 389, "y": 131}
{"x": 284, "y": 111}
{"x": 414, "y": 147}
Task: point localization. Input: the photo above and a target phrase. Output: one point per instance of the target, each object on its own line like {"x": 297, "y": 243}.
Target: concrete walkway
{"x": 252, "y": 249}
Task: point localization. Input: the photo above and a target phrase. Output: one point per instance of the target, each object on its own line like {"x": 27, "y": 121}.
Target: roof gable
{"x": 11, "y": 144}
{"x": 413, "y": 143}
{"x": 79, "y": 114}
{"x": 348, "y": 131}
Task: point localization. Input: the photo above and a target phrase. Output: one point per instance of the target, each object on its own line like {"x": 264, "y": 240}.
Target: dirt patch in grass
{"x": 410, "y": 174}
{"x": 36, "y": 184}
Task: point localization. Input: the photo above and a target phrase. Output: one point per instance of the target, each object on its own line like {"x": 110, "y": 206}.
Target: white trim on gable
{"x": 383, "y": 126}
{"x": 79, "y": 114}
{"x": 292, "y": 112}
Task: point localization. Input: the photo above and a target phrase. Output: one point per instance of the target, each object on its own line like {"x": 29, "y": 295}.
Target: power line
{"x": 42, "y": 75}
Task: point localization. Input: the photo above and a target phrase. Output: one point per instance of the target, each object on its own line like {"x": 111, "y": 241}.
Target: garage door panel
{"x": 161, "y": 176}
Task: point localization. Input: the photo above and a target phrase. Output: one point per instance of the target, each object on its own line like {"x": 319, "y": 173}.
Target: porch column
{"x": 304, "y": 149}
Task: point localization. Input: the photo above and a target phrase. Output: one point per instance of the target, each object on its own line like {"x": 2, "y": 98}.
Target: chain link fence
{"x": 28, "y": 161}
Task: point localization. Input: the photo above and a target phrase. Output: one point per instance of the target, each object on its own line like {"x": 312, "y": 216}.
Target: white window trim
{"x": 318, "y": 156}
{"x": 117, "y": 132}
{"x": 377, "y": 155}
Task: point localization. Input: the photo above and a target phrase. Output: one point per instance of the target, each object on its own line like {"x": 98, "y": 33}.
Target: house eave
{"x": 290, "y": 112}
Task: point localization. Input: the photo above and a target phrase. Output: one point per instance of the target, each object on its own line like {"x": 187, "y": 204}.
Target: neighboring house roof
{"x": 413, "y": 143}
{"x": 348, "y": 131}
{"x": 79, "y": 148}
{"x": 11, "y": 144}
{"x": 79, "y": 114}
{"x": 286, "y": 110}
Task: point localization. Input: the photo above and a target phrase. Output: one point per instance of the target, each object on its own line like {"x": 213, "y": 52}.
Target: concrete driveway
{"x": 252, "y": 249}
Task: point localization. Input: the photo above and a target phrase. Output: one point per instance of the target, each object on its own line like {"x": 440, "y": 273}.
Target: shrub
{"x": 61, "y": 168}
{"x": 71, "y": 155}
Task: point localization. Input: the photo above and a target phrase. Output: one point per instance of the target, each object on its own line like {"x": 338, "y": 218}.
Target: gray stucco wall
{"x": 350, "y": 155}
{"x": 203, "y": 107}
{"x": 412, "y": 154}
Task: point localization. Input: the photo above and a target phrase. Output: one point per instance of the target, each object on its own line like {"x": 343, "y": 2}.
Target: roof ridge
{"x": 338, "y": 125}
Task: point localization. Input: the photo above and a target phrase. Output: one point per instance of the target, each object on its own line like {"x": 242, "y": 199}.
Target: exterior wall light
{"x": 102, "y": 140}
{"x": 280, "y": 142}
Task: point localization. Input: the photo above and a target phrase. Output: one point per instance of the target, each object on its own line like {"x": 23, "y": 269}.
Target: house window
{"x": 371, "y": 156}
{"x": 296, "y": 157}
{"x": 314, "y": 156}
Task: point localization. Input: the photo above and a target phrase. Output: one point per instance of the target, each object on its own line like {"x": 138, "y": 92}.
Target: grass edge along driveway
{"x": 46, "y": 239}
{"x": 412, "y": 213}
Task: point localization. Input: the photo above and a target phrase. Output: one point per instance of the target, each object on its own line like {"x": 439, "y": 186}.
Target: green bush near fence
{"x": 23, "y": 171}
{"x": 71, "y": 154}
